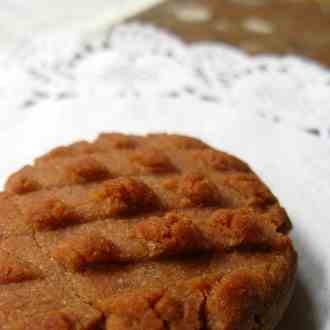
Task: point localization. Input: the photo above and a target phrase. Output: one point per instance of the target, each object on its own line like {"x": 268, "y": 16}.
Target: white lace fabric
{"x": 136, "y": 60}
{"x": 294, "y": 164}
{"x": 62, "y": 88}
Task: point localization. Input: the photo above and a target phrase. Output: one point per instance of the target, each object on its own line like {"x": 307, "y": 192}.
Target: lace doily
{"x": 135, "y": 60}
{"x": 294, "y": 164}
{"x": 60, "y": 88}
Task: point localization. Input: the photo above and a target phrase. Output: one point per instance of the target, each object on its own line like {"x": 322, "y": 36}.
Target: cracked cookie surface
{"x": 142, "y": 232}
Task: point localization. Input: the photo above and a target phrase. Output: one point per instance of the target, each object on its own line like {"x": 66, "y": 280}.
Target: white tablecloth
{"x": 22, "y": 19}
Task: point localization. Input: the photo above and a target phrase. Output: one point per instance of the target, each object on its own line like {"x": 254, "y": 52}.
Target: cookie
{"x": 148, "y": 232}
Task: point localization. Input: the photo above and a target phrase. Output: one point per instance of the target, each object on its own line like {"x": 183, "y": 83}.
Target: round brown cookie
{"x": 132, "y": 233}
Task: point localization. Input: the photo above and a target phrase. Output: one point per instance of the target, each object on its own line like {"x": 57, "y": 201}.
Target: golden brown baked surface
{"x": 130, "y": 232}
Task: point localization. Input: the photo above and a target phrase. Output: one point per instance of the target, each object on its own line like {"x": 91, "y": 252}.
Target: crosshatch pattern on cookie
{"x": 131, "y": 232}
